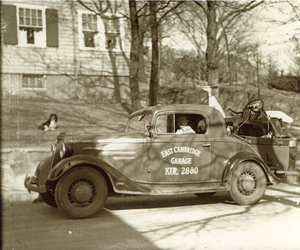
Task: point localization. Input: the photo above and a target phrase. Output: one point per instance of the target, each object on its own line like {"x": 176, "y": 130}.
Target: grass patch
{"x": 20, "y": 119}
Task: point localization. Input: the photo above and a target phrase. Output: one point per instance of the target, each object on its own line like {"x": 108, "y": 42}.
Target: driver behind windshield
{"x": 184, "y": 128}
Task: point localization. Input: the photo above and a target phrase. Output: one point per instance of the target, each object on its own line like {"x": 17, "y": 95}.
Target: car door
{"x": 180, "y": 157}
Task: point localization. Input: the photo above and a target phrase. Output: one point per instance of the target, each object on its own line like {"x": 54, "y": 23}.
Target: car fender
{"x": 43, "y": 169}
{"x": 120, "y": 183}
{"x": 244, "y": 156}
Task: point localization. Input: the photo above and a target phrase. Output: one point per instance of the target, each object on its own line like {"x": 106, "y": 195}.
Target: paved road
{"x": 180, "y": 222}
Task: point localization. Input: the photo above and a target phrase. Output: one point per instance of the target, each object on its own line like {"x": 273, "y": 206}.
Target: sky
{"x": 276, "y": 37}
{"x": 273, "y": 37}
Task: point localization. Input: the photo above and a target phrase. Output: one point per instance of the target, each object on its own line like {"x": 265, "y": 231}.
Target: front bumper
{"x": 31, "y": 184}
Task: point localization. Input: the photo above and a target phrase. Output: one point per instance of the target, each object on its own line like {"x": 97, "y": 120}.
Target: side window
{"x": 165, "y": 124}
{"x": 190, "y": 124}
{"x": 180, "y": 123}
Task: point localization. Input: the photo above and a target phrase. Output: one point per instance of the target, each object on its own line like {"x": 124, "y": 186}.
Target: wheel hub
{"x": 82, "y": 192}
{"x": 248, "y": 183}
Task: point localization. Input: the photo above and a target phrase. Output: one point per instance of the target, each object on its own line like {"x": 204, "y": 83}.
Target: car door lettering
{"x": 177, "y": 149}
{"x": 167, "y": 152}
{"x": 183, "y": 171}
{"x": 171, "y": 171}
{"x": 181, "y": 161}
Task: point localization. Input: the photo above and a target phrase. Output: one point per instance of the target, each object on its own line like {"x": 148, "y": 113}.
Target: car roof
{"x": 172, "y": 107}
{"x": 175, "y": 107}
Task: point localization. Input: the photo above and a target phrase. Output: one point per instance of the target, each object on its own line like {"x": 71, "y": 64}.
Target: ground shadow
{"x": 140, "y": 202}
{"x": 39, "y": 226}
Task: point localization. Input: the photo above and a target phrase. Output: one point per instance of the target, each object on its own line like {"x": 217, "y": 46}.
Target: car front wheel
{"x": 248, "y": 183}
{"x": 81, "y": 192}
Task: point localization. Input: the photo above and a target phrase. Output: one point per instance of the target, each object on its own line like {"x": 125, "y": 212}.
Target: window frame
{"x": 22, "y": 37}
{"x": 174, "y": 115}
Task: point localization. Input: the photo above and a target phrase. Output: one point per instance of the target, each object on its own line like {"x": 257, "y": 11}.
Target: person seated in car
{"x": 201, "y": 127}
{"x": 184, "y": 128}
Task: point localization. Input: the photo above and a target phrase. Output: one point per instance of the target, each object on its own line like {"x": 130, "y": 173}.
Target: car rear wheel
{"x": 248, "y": 183}
{"x": 81, "y": 192}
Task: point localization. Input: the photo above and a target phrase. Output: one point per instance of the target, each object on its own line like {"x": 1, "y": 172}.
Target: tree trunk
{"x": 142, "y": 52}
{"x": 212, "y": 49}
{"x": 154, "y": 78}
{"x": 228, "y": 58}
{"x": 134, "y": 57}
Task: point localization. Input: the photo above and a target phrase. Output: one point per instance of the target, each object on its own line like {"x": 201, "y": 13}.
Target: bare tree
{"x": 161, "y": 9}
{"x": 101, "y": 8}
{"x": 191, "y": 26}
{"x": 295, "y": 54}
{"x": 134, "y": 56}
{"x": 219, "y": 16}
{"x": 154, "y": 78}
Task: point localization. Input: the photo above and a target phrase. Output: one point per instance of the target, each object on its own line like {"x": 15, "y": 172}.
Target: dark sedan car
{"x": 155, "y": 156}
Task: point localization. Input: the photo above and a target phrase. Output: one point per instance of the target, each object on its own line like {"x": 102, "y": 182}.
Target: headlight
{"x": 62, "y": 150}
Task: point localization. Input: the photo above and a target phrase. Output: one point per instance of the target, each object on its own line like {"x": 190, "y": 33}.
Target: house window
{"x": 98, "y": 33}
{"x": 89, "y": 29}
{"x": 31, "y": 26}
{"x": 112, "y": 32}
{"x": 33, "y": 82}
{"x": 31, "y": 18}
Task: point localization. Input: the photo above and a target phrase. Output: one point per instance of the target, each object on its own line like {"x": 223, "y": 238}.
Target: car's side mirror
{"x": 149, "y": 131}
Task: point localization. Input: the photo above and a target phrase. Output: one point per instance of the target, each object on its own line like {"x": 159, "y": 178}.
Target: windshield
{"x": 139, "y": 123}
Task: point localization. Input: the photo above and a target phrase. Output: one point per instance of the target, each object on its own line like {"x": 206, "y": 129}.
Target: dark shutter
{"x": 9, "y": 14}
{"x": 52, "y": 27}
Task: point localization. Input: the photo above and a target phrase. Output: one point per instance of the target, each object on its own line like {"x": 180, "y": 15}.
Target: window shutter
{"x": 9, "y": 14}
{"x": 52, "y": 27}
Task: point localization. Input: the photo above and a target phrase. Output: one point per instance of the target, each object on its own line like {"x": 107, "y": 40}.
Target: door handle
{"x": 206, "y": 145}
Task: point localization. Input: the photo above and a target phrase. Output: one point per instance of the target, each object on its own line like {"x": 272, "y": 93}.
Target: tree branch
{"x": 167, "y": 12}
{"x": 294, "y": 9}
{"x": 238, "y": 11}
{"x": 200, "y": 4}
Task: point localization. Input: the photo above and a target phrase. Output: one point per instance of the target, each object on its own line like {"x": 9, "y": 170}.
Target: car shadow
{"x": 139, "y": 202}
{"x": 33, "y": 226}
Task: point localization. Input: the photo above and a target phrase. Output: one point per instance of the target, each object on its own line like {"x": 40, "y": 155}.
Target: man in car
{"x": 184, "y": 128}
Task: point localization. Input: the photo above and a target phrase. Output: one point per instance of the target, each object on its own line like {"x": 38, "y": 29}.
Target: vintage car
{"x": 152, "y": 158}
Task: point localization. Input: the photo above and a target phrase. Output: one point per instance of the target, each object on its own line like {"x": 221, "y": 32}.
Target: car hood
{"x": 102, "y": 138}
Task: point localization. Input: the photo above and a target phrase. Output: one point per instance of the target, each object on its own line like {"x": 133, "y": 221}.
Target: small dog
{"x": 50, "y": 124}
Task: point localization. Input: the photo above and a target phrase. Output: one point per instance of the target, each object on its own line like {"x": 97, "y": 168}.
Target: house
{"x": 62, "y": 49}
